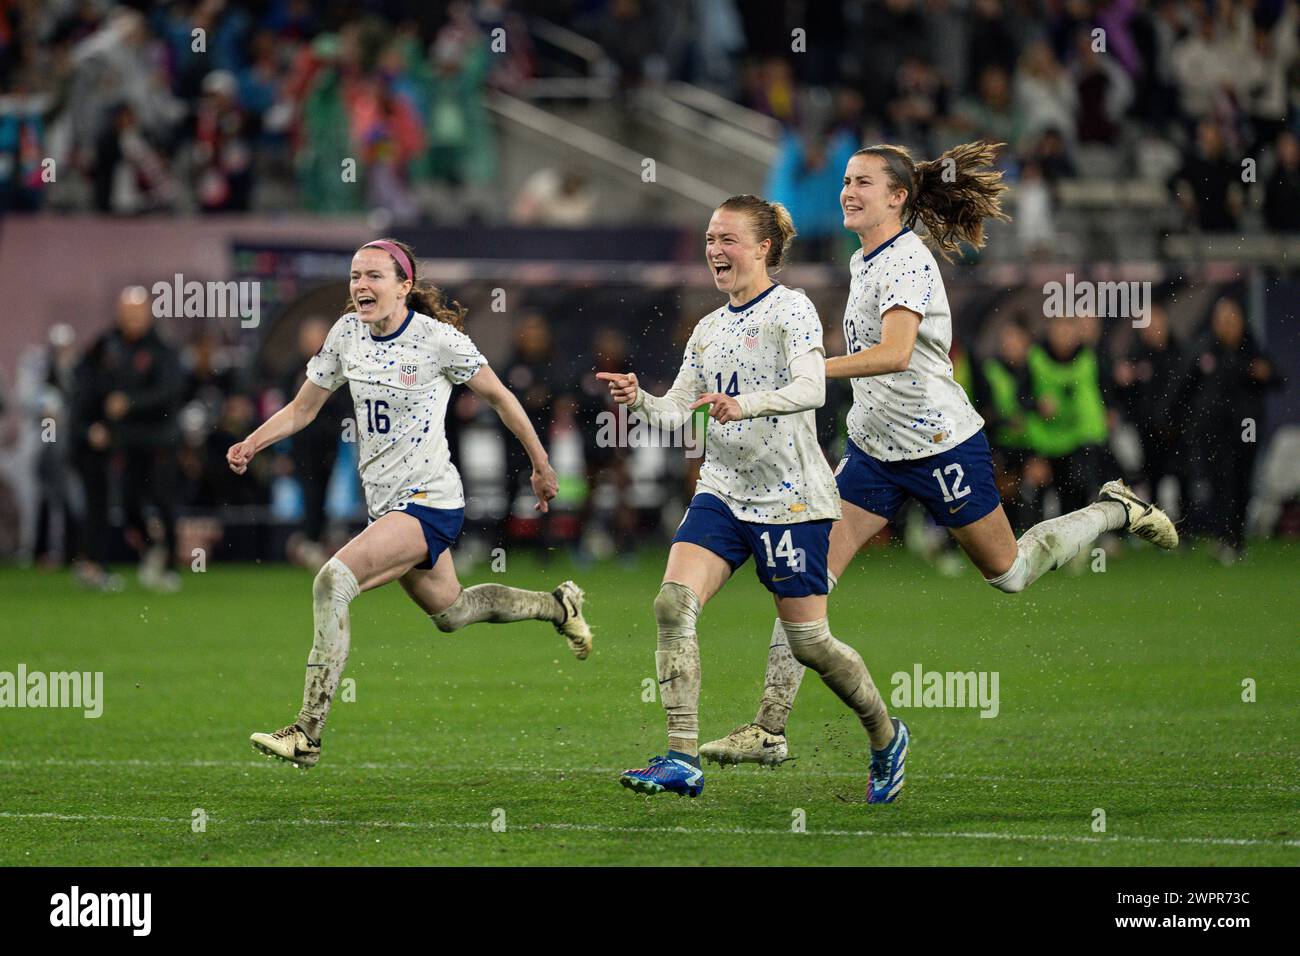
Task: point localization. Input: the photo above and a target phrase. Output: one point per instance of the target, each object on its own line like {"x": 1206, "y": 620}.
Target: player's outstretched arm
{"x": 290, "y": 420}
{"x": 485, "y": 384}
{"x": 893, "y": 354}
{"x": 671, "y": 411}
{"x": 806, "y": 390}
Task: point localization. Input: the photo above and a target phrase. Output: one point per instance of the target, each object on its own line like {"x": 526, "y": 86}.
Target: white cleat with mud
{"x": 1142, "y": 518}
{"x": 574, "y": 626}
{"x": 289, "y": 744}
{"x": 747, "y": 744}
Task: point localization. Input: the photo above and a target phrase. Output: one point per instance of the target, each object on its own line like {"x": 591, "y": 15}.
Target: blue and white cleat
{"x": 886, "y": 777}
{"x": 665, "y": 774}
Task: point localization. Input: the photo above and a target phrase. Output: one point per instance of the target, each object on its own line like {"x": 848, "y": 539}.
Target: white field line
{"x": 267, "y": 762}
{"x": 685, "y": 831}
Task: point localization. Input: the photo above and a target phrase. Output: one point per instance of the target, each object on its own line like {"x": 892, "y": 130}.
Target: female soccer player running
{"x": 401, "y": 349}
{"x": 764, "y": 487}
{"x": 912, "y": 431}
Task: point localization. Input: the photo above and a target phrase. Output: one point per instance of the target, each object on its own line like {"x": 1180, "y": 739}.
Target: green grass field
{"x": 1119, "y": 690}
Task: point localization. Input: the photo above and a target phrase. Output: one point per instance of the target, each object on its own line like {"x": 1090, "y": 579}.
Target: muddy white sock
{"x": 677, "y": 664}
{"x": 332, "y": 592}
{"x": 843, "y": 671}
{"x": 781, "y": 683}
{"x": 498, "y": 604}
{"x": 1050, "y": 544}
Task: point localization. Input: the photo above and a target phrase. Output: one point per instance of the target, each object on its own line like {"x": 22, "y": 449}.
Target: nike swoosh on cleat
{"x": 769, "y": 743}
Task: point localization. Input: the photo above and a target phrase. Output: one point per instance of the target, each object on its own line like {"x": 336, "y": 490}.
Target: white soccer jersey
{"x": 921, "y": 411}
{"x": 400, "y": 385}
{"x": 768, "y": 470}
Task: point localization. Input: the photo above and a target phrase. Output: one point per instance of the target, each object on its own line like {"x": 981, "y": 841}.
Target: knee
{"x": 322, "y": 588}
{"x": 809, "y": 643}
{"x": 676, "y": 608}
{"x": 334, "y": 583}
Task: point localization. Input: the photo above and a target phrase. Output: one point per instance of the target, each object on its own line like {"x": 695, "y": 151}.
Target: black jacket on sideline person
{"x": 147, "y": 370}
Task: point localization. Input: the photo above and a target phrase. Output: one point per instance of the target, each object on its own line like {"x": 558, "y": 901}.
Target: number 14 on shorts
{"x": 795, "y": 558}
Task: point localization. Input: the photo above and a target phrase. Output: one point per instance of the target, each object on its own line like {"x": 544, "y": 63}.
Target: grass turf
{"x": 1119, "y": 691}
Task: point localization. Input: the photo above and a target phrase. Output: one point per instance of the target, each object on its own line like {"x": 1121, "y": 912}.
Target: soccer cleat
{"x": 574, "y": 626}
{"x": 886, "y": 776}
{"x": 1141, "y": 517}
{"x": 665, "y": 774}
{"x": 290, "y": 744}
{"x": 748, "y": 744}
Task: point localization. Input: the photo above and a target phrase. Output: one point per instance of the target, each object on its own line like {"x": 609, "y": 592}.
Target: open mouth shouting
{"x": 366, "y": 303}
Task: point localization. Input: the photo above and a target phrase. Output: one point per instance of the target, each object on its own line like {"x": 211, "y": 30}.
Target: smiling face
{"x": 866, "y": 198}
{"x": 376, "y": 291}
{"x": 736, "y": 258}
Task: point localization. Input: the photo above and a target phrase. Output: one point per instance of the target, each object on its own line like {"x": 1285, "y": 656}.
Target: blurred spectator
{"x": 1282, "y": 191}
{"x": 134, "y": 378}
{"x": 222, "y": 158}
{"x": 1005, "y": 398}
{"x": 314, "y": 449}
{"x": 918, "y": 103}
{"x": 1149, "y": 382}
{"x": 1045, "y": 93}
{"x": 1228, "y": 375}
{"x": 1103, "y": 90}
{"x": 551, "y": 197}
{"x": 1263, "y": 70}
{"x": 807, "y": 177}
{"x": 992, "y": 116}
{"x": 130, "y": 175}
{"x": 1204, "y": 64}
{"x": 61, "y": 509}
{"x": 1067, "y": 390}
{"x": 1206, "y": 185}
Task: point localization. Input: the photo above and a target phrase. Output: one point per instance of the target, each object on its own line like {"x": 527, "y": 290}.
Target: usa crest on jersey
{"x": 408, "y": 374}
{"x": 751, "y": 337}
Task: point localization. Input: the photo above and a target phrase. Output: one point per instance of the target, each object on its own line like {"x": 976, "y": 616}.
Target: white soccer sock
{"x": 1050, "y": 544}
{"x": 497, "y": 604}
{"x": 784, "y": 675}
{"x": 334, "y": 589}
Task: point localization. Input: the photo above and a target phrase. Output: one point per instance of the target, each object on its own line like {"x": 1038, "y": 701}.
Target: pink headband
{"x": 394, "y": 250}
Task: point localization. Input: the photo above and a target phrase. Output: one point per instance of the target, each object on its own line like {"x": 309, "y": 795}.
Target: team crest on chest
{"x": 751, "y": 337}
{"x": 408, "y": 374}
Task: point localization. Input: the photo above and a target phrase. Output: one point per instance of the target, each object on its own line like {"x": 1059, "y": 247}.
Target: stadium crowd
{"x": 256, "y": 115}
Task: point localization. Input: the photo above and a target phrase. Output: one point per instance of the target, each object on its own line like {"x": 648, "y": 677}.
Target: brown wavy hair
{"x": 424, "y": 297}
{"x": 771, "y": 221}
{"x": 952, "y": 212}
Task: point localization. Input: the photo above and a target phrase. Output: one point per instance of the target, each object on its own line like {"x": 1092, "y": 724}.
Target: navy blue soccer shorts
{"x": 790, "y": 558}
{"x": 956, "y": 486}
{"x": 441, "y": 528}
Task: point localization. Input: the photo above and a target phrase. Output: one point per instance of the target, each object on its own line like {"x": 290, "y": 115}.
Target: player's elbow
{"x": 900, "y": 359}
